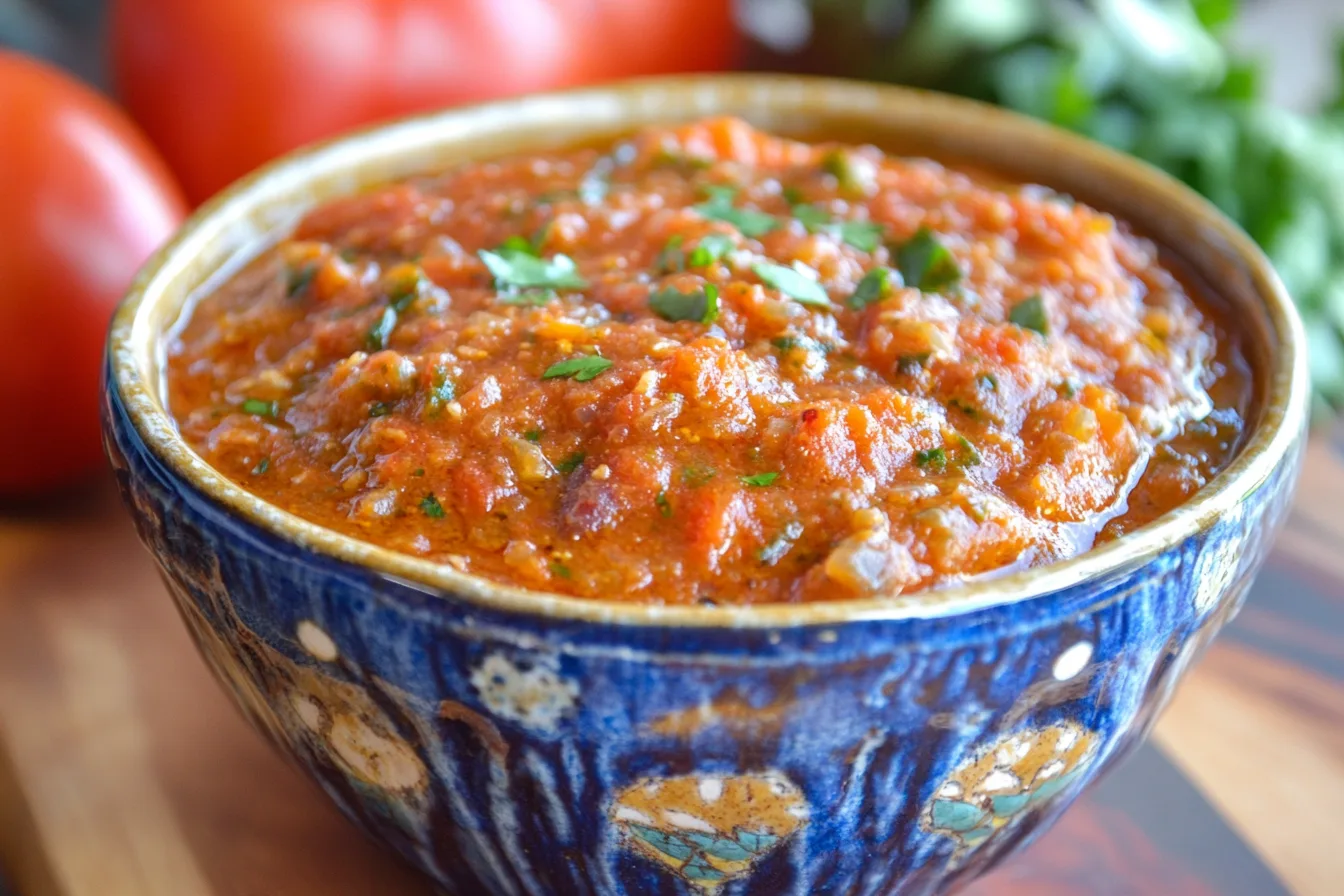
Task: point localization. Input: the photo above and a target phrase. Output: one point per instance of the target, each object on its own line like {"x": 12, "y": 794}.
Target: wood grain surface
{"x": 124, "y": 771}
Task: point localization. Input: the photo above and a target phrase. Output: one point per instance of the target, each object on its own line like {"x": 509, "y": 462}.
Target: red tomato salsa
{"x": 707, "y": 364}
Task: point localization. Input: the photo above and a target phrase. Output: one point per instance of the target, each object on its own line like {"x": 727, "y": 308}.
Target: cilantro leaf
{"x": 701, "y": 304}
{"x": 582, "y": 368}
{"x": 571, "y": 463}
{"x": 261, "y": 408}
{"x": 793, "y": 282}
{"x": 1029, "y": 314}
{"x": 875, "y": 286}
{"x": 759, "y": 480}
{"x": 516, "y": 269}
{"x": 865, "y": 236}
{"x": 719, "y": 207}
{"x": 933, "y": 458}
{"x": 711, "y": 248}
{"x": 926, "y": 263}
{"x": 431, "y": 507}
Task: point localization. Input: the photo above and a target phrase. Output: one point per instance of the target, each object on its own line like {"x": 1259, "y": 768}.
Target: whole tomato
{"x": 84, "y": 200}
{"x": 222, "y": 87}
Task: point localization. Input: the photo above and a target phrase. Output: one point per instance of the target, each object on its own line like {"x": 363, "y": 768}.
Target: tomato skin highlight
{"x": 84, "y": 200}
{"x": 222, "y": 88}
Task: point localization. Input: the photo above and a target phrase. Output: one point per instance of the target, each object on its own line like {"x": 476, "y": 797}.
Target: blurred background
{"x": 1242, "y": 100}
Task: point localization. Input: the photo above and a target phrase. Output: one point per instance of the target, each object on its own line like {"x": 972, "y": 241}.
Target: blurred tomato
{"x": 84, "y": 200}
{"x": 222, "y": 87}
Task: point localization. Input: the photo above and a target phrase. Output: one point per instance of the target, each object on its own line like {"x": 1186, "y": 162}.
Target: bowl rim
{"x": 1283, "y": 415}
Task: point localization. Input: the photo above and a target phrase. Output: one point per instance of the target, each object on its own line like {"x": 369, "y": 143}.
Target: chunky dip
{"x": 707, "y": 364}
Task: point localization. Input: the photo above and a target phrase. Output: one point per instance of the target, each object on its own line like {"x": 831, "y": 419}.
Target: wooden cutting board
{"x": 124, "y": 771}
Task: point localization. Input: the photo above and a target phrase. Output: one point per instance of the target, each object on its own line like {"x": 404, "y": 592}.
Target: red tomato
{"x": 222, "y": 87}
{"x": 84, "y": 200}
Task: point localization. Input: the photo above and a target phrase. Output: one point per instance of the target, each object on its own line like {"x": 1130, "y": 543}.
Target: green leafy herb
{"x": 804, "y": 343}
{"x": 1068, "y": 389}
{"x": 1030, "y": 315}
{"x": 262, "y": 466}
{"x": 813, "y": 217}
{"x": 533, "y": 435}
{"x": 777, "y": 549}
{"x": 418, "y": 471}
{"x": 719, "y": 207}
{"x": 515, "y": 269}
{"x": 968, "y": 456}
{"x": 380, "y": 409}
{"x": 926, "y": 263}
{"x": 794, "y": 282}
{"x": 875, "y": 286}
{"x": 711, "y": 248}
{"x": 350, "y": 255}
{"x": 934, "y": 459}
{"x": 855, "y": 175}
{"x": 442, "y": 388}
{"x": 792, "y": 195}
{"x": 671, "y": 259}
{"x": 865, "y": 236}
{"x": 697, "y": 475}
{"x": 664, "y": 505}
{"x": 913, "y": 363}
{"x": 988, "y": 382}
{"x": 759, "y": 480}
{"x": 965, "y": 407}
{"x": 405, "y": 292}
{"x": 381, "y": 331}
{"x": 517, "y": 244}
{"x": 261, "y": 408}
{"x": 700, "y": 305}
{"x": 560, "y": 570}
{"x": 431, "y": 507}
{"x": 571, "y": 463}
{"x": 582, "y": 368}
{"x": 298, "y": 279}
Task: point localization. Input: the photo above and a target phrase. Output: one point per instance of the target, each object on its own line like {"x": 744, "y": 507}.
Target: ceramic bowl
{"x": 516, "y": 742}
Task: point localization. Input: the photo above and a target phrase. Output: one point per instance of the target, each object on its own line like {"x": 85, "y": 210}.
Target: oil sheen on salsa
{"x": 710, "y": 365}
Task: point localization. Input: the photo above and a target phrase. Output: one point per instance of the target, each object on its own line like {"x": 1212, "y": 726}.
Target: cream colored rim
{"x": 959, "y": 127}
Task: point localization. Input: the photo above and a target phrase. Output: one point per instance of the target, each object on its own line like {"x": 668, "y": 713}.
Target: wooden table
{"x": 124, "y": 772}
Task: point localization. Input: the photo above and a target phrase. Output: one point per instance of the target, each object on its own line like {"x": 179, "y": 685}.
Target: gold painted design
{"x": 1019, "y": 773}
{"x": 709, "y": 829}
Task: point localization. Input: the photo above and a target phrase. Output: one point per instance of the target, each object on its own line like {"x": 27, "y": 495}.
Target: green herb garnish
{"x": 875, "y": 286}
{"x": 865, "y": 236}
{"x": 912, "y": 363}
{"x": 934, "y": 458}
{"x": 759, "y": 480}
{"x": 515, "y": 269}
{"x": 560, "y": 570}
{"x": 517, "y": 244}
{"x": 262, "y": 466}
{"x": 664, "y": 506}
{"x": 381, "y": 331}
{"x": 969, "y": 456}
{"x": 792, "y": 195}
{"x": 670, "y": 259}
{"x": 583, "y": 368}
{"x": 533, "y": 435}
{"x": 405, "y": 292}
{"x": 1029, "y": 314}
{"x": 794, "y": 282}
{"x": 701, "y": 305}
{"x": 711, "y": 248}
{"x": 849, "y": 171}
{"x": 380, "y": 409}
{"x": 571, "y": 463}
{"x": 926, "y": 263}
{"x": 261, "y": 408}
{"x": 298, "y": 280}
{"x": 697, "y": 475}
{"x": 813, "y": 217}
{"x": 719, "y": 207}
{"x": 805, "y": 343}
{"x": 431, "y": 507}
{"x": 418, "y": 471}
{"x": 987, "y": 381}
{"x": 965, "y": 407}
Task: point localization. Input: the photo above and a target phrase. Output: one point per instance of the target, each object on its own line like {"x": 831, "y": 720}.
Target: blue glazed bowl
{"x": 516, "y": 742}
